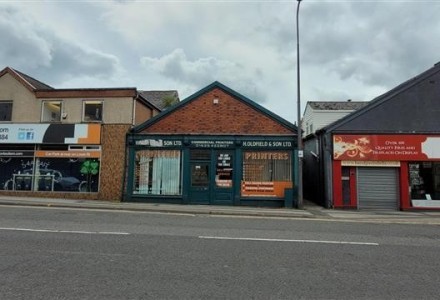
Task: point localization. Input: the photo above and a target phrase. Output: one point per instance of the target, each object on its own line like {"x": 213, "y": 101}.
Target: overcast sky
{"x": 349, "y": 49}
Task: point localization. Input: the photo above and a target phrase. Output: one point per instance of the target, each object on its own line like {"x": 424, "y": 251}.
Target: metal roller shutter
{"x": 377, "y": 188}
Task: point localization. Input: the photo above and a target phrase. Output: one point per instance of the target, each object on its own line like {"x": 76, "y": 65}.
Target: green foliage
{"x": 169, "y": 100}
{"x": 90, "y": 167}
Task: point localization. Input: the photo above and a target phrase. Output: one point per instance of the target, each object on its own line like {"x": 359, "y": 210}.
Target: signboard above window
{"x": 50, "y": 134}
{"x": 386, "y": 147}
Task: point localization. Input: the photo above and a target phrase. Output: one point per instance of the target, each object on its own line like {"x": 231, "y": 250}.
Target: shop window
{"x": 424, "y": 180}
{"x": 266, "y": 173}
{"x": 158, "y": 172}
{"x": 51, "y": 111}
{"x": 67, "y": 174}
{"x": 49, "y": 174}
{"x": 92, "y": 111}
{"x": 5, "y": 111}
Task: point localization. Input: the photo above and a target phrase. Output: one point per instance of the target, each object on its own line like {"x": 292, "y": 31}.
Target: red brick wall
{"x": 229, "y": 116}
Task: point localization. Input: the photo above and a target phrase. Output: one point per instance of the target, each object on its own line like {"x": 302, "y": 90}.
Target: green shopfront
{"x": 214, "y": 170}
{"x": 216, "y": 147}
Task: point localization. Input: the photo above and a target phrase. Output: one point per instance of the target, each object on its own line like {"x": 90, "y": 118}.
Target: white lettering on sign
{"x": 267, "y": 144}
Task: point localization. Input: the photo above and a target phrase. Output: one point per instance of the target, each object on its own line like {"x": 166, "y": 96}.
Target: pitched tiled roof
{"x": 337, "y": 105}
{"x": 36, "y": 84}
{"x": 157, "y": 97}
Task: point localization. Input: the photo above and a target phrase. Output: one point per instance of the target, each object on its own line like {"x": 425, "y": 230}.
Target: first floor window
{"x": 51, "y": 111}
{"x": 92, "y": 111}
{"x": 266, "y": 173}
{"x": 158, "y": 172}
{"x": 5, "y": 111}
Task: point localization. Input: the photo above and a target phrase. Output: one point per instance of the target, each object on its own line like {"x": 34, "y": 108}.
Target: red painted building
{"x": 383, "y": 156}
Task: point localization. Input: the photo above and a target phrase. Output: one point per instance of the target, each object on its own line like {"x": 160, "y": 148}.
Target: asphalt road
{"x": 49, "y": 253}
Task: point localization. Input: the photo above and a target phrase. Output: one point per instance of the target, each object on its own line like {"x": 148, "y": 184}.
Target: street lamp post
{"x": 299, "y": 131}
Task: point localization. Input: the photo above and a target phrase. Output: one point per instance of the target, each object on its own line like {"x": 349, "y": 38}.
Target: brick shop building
{"x": 215, "y": 147}
{"x": 65, "y": 143}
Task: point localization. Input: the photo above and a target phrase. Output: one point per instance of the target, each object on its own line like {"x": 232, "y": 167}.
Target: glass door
{"x": 224, "y": 180}
{"x": 200, "y": 176}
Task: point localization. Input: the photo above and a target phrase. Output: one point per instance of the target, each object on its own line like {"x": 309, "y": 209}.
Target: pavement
{"x": 310, "y": 210}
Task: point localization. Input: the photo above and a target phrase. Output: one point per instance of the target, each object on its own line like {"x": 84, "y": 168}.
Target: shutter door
{"x": 377, "y": 188}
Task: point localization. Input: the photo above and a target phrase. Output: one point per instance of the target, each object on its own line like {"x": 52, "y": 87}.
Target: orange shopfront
{"x": 50, "y": 158}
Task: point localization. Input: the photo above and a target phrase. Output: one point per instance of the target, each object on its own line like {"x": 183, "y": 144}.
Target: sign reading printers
{"x": 50, "y": 133}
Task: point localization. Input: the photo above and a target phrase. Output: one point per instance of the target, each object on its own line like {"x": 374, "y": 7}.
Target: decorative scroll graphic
{"x": 353, "y": 148}
{"x": 380, "y": 147}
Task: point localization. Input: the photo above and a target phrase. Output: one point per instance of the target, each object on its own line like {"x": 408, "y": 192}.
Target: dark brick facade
{"x": 112, "y": 161}
{"x": 229, "y": 116}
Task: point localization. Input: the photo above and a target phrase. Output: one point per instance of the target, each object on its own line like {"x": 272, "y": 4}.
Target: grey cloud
{"x": 203, "y": 71}
{"x": 31, "y": 48}
{"x": 377, "y": 44}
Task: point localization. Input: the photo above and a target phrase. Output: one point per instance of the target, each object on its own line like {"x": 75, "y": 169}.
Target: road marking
{"x": 65, "y": 231}
{"x": 286, "y": 240}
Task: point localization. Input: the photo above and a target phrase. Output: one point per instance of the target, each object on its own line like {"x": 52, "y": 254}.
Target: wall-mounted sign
{"x": 369, "y": 163}
{"x": 158, "y": 143}
{"x": 212, "y": 144}
{"x": 386, "y": 147}
{"x": 266, "y": 155}
{"x": 267, "y": 144}
{"x": 16, "y": 153}
{"x": 68, "y": 154}
{"x": 50, "y": 133}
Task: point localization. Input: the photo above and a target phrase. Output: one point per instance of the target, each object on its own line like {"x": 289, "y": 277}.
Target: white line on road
{"x": 286, "y": 240}
{"x": 65, "y": 231}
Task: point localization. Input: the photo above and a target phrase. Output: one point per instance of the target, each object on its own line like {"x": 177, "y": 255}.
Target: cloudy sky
{"x": 350, "y": 49}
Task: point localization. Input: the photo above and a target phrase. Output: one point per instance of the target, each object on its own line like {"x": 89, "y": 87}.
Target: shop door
{"x": 223, "y": 178}
{"x": 200, "y": 182}
{"x": 211, "y": 177}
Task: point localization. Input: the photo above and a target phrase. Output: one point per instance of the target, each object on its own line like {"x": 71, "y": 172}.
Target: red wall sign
{"x": 386, "y": 147}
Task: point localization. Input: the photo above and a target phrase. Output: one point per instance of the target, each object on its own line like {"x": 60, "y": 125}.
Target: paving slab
{"x": 310, "y": 211}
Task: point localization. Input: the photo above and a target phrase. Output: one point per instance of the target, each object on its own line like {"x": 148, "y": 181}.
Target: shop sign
{"x": 386, "y": 147}
{"x": 369, "y": 163}
{"x": 158, "y": 143}
{"x": 68, "y": 154}
{"x": 212, "y": 144}
{"x": 267, "y": 155}
{"x": 16, "y": 153}
{"x": 267, "y": 144}
{"x": 50, "y": 133}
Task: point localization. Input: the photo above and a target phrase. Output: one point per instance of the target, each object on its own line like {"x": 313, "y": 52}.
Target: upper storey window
{"x": 5, "y": 111}
{"x": 51, "y": 111}
{"x": 92, "y": 111}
